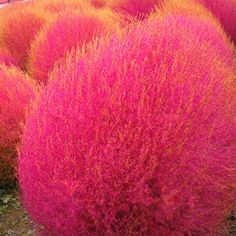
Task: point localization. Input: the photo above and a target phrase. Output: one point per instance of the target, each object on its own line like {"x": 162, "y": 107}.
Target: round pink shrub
{"x": 66, "y": 32}
{"x": 19, "y": 25}
{"x": 16, "y": 93}
{"x": 136, "y": 137}
{"x": 202, "y": 20}
{"x": 225, "y": 11}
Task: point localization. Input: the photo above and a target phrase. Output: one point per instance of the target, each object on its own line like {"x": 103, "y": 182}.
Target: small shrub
{"x": 16, "y": 93}
{"x": 199, "y": 17}
{"x": 68, "y": 31}
{"x": 225, "y": 11}
{"x": 19, "y": 24}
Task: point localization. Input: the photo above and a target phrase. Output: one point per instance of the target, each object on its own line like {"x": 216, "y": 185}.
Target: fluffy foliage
{"x": 201, "y": 18}
{"x": 225, "y": 11}
{"x": 137, "y": 137}
{"x": 6, "y": 57}
{"x": 16, "y": 92}
{"x": 69, "y": 30}
{"x": 99, "y": 3}
{"x": 135, "y": 8}
{"x": 19, "y": 24}
{"x": 56, "y": 6}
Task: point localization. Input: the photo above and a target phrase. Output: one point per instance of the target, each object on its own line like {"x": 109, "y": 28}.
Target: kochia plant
{"x": 19, "y": 24}
{"x": 16, "y": 93}
{"x": 225, "y": 11}
{"x": 136, "y": 137}
{"x": 69, "y": 30}
{"x": 202, "y": 20}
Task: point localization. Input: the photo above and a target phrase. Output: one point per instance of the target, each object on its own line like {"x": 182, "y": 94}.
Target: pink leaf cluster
{"x": 67, "y": 32}
{"x": 16, "y": 93}
{"x": 136, "y": 137}
{"x": 200, "y": 20}
{"x": 19, "y": 24}
{"x": 135, "y": 8}
{"x": 57, "y": 6}
{"x": 6, "y": 57}
{"x": 225, "y": 11}
{"x": 98, "y": 3}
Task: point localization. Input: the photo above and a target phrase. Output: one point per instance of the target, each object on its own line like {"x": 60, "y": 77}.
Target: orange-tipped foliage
{"x": 99, "y": 3}
{"x": 56, "y": 6}
{"x": 19, "y": 24}
{"x": 189, "y": 8}
{"x": 69, "y": 30}
{"x": 17, "y": 91}
{"x": 135, "y": 138}
{"x": 225, "y": 11}
{"x": 135, "y": 8}
{"x": 6, "y": 57}
{"x": 203, "y": 18}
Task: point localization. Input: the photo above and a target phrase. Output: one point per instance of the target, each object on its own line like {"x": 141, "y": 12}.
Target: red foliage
{"x": 6, "y": 57}
{"x": 16, "y": 93}
{"x": 135, "y": 8}
{"x": 225, "y": 11}
{"x": 68, "y": 31}
{"x": 19, "y": 24}
{"x": 56, "y": 6}
{"x": 98, "y": 3}
{"x": 137, "y": 137}
{"x": 217, "y": 38}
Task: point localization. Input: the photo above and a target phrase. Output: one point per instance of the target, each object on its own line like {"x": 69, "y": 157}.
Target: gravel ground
{"x": 13, "y": 219}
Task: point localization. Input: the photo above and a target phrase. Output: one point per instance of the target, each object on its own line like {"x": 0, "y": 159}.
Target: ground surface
{"x": 14, "y": 221}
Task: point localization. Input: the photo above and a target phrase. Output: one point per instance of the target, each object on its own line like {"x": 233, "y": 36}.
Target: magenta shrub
{"x": 19, "y": 25}
{"x": 136, "y": 137}
{"x": 225, "y": 11}
{"x": 68, "y": 31}
{"x": 17, "y": 91}
{"x": 200, "y": 21}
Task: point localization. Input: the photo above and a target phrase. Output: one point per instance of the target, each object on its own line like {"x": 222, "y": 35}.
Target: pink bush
{"x": 66, "y": 32}
{"x": 135, "y": 138}
{"x": 201, "y": 20}
{"x": 19, "y": 24}
{"x": 16, "y": 93}
{"x": 225, "y": 11}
